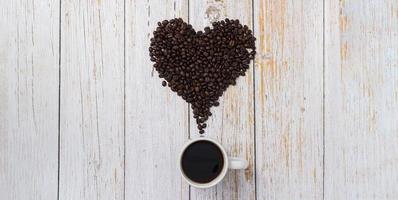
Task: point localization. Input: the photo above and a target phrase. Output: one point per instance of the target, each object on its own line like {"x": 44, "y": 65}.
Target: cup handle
{"x": 237, "y": 163}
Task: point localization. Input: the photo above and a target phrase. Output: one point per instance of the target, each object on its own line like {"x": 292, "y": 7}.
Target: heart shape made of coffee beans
{"x": 200, "y": 66}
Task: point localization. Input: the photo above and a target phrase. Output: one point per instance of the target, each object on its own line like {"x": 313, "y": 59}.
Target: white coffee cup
{"x": 229, "y": 163}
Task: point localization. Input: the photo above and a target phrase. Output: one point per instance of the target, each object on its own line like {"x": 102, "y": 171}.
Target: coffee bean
{"x": 200, "y": 127}
{"x": 200, "y": 66}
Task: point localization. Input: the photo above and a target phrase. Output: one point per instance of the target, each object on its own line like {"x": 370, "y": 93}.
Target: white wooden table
{"x": 83, "y": 114}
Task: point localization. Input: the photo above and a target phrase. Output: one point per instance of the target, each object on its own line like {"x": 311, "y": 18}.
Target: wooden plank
{"x": 92, "y": 100}
{"x": 361, "y": 100}
{"x": 289, "y": 96}
{"x": 29, "y": 67}
{"x": 232, "y": 122}
{"x": 156, "y": 118}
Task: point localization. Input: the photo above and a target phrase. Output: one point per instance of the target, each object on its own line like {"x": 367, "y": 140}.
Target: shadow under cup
{"x": 202, "y": 162}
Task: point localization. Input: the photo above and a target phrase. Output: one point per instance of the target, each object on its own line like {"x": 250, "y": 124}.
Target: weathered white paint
{"x": 289, "y": 96}
{"x": 232, "y": 123}
{"x": 121, "y": 132}
{"x": 156, "y": 118}
{"x": 92, "y": 100}
{"x": 361, "y": 100}
{"x": 29, "y": 40}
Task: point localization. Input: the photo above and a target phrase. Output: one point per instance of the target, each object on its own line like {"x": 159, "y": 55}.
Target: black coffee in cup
{"x": 202, "y": 161}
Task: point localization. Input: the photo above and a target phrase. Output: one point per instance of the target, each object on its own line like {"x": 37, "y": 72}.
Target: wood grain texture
{"x": 289, "y": 96}
{"x": 232, "y": 122}
{"x": 156, "y": 118}
{"x": 361, "y": 100}
{"x": 29, "y": 99}
{"x": 92, "y": 100}
{"x": 316, "y": 116}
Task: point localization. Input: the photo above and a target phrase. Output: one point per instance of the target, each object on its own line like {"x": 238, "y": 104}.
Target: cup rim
{"x": 218, "y": 178}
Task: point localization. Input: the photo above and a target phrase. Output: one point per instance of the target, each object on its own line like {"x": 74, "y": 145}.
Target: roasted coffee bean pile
{"x": 200, "y": 66}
